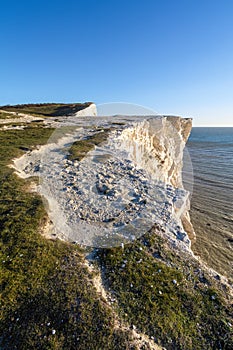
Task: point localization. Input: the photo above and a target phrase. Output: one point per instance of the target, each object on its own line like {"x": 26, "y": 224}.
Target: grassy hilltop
{"x": 49, "y": 298}
{"x": 47, "y": 109}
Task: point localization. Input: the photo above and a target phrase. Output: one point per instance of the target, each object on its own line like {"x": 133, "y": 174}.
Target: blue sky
{"x": 174, "y": 57}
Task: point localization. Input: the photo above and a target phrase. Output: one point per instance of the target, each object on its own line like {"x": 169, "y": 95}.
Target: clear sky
{"x": 171, "y": 56}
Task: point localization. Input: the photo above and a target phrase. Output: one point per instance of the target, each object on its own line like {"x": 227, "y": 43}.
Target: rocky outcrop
{"x": 157, "y": 145}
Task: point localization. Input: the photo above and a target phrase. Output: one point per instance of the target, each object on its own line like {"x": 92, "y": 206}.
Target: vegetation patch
{"x": 5, "y": 115}
{"x": 80, "y": 148}
{"x": 31, "y": 125}
{"x": 166, "y": 296}
{"x": 47, "y": 109}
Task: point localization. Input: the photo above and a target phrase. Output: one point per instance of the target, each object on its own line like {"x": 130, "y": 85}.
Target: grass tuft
{"x": 80, "y": 148}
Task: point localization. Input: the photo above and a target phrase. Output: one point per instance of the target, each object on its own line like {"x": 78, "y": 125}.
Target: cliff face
{"x": 157, "y": 145}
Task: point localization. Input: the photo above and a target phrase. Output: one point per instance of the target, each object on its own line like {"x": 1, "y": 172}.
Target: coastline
{"x": 47, "y": 231}
{"x": 145, "y": 279}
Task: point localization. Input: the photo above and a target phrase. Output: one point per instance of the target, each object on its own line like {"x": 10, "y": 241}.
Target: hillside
{"x": 47, "y": 109}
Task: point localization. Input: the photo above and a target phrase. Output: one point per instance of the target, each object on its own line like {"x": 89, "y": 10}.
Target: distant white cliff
{"x": 87, "y": 112}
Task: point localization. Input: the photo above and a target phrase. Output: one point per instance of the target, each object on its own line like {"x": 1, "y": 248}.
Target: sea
{"x": 211, "y": 153}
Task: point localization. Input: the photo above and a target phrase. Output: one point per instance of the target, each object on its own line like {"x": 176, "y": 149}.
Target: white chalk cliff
{"x": 157, "y": 145}
{"x": 122, "y": 187}
{"x": 88, "y": 111}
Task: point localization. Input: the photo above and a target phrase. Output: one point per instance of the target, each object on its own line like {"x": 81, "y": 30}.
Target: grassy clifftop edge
{"x": 46, "y": 109}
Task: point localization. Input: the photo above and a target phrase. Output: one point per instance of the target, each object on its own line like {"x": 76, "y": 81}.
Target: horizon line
{"x": 213, "y": 126}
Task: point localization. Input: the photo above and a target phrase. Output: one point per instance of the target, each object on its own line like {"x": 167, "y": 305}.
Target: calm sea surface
{"x": 211, "y": 151}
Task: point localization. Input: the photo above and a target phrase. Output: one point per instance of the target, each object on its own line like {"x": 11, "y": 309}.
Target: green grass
{"x": 44, "y": 284}
{"x": 80, "y": 148}
{"x": 47, "y": 109}
{"x": 6, "y": 115}
{"x": 31, "y": 125}
{"x": 167, "y": 296}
